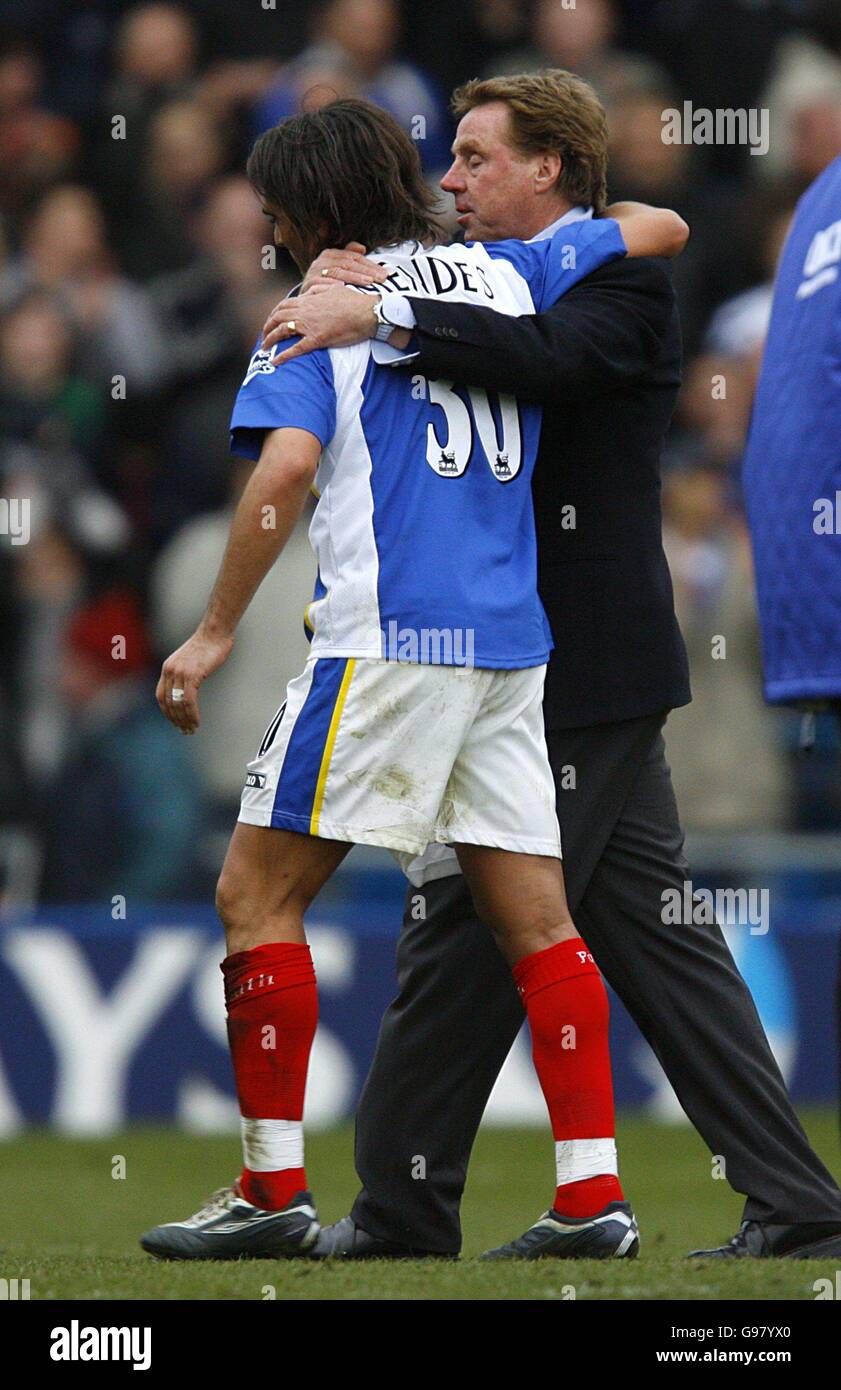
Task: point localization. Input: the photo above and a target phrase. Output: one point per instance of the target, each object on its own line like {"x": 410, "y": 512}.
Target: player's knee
{"x": 242, "y": 917}
{"x": 250, "y": 907}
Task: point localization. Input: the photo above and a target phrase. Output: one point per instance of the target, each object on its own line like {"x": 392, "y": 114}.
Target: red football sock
{"x": 272, "y": 1001}
{"x": 568, "y": 1013}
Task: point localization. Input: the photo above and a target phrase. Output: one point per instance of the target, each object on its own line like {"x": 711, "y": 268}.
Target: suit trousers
{"x": 446, "y": 1035}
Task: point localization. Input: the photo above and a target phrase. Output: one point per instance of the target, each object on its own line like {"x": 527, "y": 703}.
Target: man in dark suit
{"x": 605, "y": 363}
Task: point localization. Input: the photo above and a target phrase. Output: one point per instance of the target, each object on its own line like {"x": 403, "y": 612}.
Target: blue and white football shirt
{"x": 792, "y": 465}
{"x": 424, "y": 523}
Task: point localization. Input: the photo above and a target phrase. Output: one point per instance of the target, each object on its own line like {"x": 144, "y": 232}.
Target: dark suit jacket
{"x": 605, "y": 363}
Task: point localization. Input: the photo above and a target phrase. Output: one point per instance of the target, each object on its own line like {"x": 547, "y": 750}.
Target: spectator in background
{"x": 74, "y": 44}
{"x": 64, "y": 249}
{"x": 719, "y": 54}
{"x": 720, "y": 382}
{"x": 739, "y": 326}
{"x": 212, "y": 309}
{"x": 715, "y": 406}
{"x": 726, "y": 758}
{"x": 581, "y": 40}
{"x": 36, "y": 145}
{"x": 155, "y": 58}
{"x": 233, "y": 705}
{"x": 816, "y": 139}
{"x": 43, "y": 400}
{"x": 353, "y": 54}
{"x": 212, "y": 312}
{"x": 122, "y": 814}
{"x": 47, "y": 582}
{"x": 184, "y": 153}
{"x": 804, "y": 97}
{"x": 159, "y": 47}
{"x": 79, "y": 540}
{"x": 646, "y": 168}
{"x": 153, "y": 169}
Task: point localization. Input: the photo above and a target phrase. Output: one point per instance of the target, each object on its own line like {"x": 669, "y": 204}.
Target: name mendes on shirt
{"x": 432, "y": 277}
{"x": 429, "y": 277}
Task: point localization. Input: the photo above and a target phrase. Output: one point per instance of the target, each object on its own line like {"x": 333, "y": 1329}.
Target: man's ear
{"x": 548, "y": 171}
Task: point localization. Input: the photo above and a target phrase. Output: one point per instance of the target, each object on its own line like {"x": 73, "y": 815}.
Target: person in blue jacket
{"x": 792, "y": 466}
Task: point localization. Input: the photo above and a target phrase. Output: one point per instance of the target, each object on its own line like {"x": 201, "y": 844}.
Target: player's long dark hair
{"x": 346, "y": 172}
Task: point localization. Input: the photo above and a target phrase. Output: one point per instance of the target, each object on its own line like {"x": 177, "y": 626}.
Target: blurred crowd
{"x": 134, "y": 277}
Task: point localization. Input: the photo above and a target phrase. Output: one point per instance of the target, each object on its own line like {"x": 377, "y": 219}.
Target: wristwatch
{"x": 384, "y": 328}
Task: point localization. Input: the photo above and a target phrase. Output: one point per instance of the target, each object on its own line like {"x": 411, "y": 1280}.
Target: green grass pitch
{"x": 71, "y": 1228}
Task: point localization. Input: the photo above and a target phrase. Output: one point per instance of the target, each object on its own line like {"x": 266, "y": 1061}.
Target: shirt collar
{"x": 578, "y": 214}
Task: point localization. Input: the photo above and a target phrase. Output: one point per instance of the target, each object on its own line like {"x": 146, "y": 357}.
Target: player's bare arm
{"x": 268, "y": 510}
{"x": 329, "y": 313}
{"x": 649, "y": 231}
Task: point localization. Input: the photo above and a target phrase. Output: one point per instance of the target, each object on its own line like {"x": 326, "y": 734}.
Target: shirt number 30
{"x": 449, "y": 456}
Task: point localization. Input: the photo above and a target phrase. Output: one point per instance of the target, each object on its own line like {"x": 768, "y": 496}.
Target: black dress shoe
{"x": 347, "y": 1241}
{"x": 814, "y": 1240}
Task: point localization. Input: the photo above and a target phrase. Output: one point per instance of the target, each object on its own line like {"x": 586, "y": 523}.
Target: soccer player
{"x": 418, "y": 718}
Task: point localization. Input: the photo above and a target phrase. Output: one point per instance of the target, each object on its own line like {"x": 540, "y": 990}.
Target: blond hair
{"x": 552, "y": 110}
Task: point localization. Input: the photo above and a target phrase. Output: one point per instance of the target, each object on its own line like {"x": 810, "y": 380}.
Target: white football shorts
{"x": 404, "y": 755}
